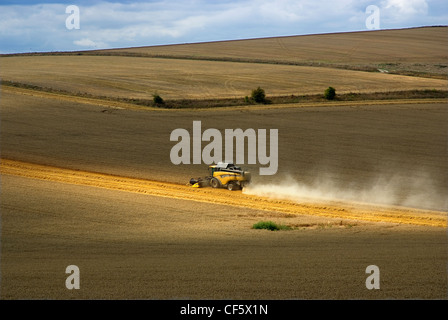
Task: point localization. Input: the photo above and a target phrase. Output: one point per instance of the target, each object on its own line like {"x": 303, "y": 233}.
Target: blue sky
{"x": 39, "y": 26}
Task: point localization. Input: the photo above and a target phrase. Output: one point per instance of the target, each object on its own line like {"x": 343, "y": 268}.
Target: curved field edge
{"x": 351, "y": 211}
{"x": 381, "y": 98}
{"x": 195, "y": 84}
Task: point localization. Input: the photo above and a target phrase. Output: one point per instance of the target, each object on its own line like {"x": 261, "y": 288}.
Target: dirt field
{"x": 401, "y": 147}
{"x": 136, "y": 246}
{"x": 90, "y": 182}
{"x": 140, "y": 246}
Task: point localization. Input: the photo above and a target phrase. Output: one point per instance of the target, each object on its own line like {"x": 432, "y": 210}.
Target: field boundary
{"x": 291, "y": 101}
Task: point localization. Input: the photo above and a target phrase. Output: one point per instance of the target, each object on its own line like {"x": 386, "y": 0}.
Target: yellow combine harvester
{"x": 223, "y": 175}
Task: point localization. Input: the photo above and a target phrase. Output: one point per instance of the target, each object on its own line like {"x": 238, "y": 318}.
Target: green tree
{"x": 157, "y": 99}
{"x": 330, "y": 93}
{"x": 258, "y": 95}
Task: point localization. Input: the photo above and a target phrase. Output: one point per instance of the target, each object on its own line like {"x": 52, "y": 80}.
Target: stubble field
{"x": 132, "y": 77}
{"x": 91, "y": 183}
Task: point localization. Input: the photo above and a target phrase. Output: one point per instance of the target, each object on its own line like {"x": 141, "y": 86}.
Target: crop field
{"x": 189, "y": 79}
{"x": 88, "y": 180}
{"x": 419, "y": 51}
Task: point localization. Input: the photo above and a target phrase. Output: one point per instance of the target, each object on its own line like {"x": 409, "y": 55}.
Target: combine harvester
{"x": 223, "y": 175}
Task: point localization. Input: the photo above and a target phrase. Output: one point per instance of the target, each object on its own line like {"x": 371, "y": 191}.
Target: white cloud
{"x": 103, "y": 24}
{"x": 404, "y": 13}
{"x": 85, "y": 42}
{"x": 407, "y": 7}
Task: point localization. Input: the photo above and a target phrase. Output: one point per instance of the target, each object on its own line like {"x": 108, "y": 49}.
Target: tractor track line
{"x": 351, "y": 211}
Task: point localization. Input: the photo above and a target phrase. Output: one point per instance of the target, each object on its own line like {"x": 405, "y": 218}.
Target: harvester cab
{"x": 224, "y": 175}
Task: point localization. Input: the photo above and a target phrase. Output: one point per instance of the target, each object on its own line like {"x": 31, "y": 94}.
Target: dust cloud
{"x": 398, "y": 190}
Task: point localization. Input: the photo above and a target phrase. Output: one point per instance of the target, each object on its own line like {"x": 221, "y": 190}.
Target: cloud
{"x": 107, "y": 24}
{"x": 406, "y": 7}
{"x": 85, "y": 42}
{"x": 413, "y": 13}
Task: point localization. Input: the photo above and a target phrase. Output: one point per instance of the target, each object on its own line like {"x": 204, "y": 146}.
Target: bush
{"x": 330, "y": 93}
{"x": 269, "y": 225}
{"x": 258, "y": 95}
{"x": 157, "y": 99}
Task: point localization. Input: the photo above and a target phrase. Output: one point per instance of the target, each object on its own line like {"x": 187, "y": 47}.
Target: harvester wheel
{"x": 231, "y": 186}
{"x": 214, "y": 183}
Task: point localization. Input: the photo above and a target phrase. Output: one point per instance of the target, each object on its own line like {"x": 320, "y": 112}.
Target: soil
{"x": 136, "y": 244}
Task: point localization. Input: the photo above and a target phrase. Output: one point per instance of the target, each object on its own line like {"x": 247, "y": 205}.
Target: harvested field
{"x": 88, "y": 181}
{"x": 415, "y": 51}
{"x": 350, "y": 211}
{"x": 138, "y": 246}
{"x": 188, "y": 79}
{"x": 401, "y": 146}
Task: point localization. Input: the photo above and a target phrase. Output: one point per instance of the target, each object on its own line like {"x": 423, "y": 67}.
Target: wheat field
{"x": 415, "y": 49}
{"x": 300, "y": 65}
{"x": 131, "y": 77}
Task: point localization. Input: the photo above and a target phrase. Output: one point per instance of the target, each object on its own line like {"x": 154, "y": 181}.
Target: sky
{"x": 52, "y": 25}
